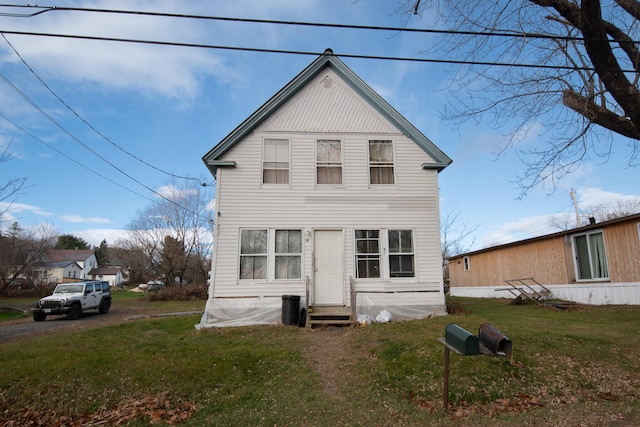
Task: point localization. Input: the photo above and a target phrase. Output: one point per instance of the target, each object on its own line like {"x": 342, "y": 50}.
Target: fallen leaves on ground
{"x": 158, "y": 409}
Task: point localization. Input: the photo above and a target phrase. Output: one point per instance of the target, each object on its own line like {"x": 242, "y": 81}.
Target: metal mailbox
{"x": 494, "y": 340}
{"x": 461, "y": 341}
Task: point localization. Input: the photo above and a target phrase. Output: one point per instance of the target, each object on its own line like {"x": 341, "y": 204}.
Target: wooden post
{"x": 445, "y": 397}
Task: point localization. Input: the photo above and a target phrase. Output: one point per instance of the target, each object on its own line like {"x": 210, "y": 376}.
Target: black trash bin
{"x": 290, "y": 309}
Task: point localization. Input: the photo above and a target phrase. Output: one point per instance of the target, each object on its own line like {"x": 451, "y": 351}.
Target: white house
{"x": 113, "y": 275}
{"x": 86, "y": 259}
{"x": 327, "y": 193}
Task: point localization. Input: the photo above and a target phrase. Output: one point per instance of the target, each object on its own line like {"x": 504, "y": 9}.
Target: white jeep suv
{"x": 74, "y": 298}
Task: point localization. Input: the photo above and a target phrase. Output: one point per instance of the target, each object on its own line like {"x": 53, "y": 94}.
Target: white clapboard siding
{"x": 328, "y": 108}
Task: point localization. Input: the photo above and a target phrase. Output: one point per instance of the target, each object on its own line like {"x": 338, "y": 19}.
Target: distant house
{"x": 328, "y": 194}
{"x": 86, "y": 259}
{"x": 113, "y": 275}
{"x": 51, "y": 273}
{"x": 595, "y": 264}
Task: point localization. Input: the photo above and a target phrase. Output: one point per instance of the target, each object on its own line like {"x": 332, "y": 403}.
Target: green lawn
{"x": 576, "y": 367}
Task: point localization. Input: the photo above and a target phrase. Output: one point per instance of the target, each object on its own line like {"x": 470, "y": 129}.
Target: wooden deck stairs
{"x": 526, "y": 290}
{"x": 330, "y": 315}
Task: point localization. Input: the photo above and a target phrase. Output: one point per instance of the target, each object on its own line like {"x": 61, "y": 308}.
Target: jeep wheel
{"x": 105, "y": 306}
{"x": 75, "y": 311}
{"x": 39, "y": 316}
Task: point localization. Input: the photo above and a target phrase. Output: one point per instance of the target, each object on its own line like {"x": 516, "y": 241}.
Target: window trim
{"x": 384, "y": 255}
{"x": 574, "y": 251}
{"x": 317, "y": 164}
{"x": 466, "y": 262}
{"x": 393, "y": 163}
{"x": 262, "y": 164}
{"x": 271, "y": 255}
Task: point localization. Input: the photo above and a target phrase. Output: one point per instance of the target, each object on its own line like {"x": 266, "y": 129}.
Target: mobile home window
{"x": 288, "y": 254}
{"x": 367, "y": 254}
{"x": 591, "y": 256}
{"x": 465, "y": 260}
{"x": 275, "y": 161}
{"x": 401, "y": 253}
{"x": 253, "y": 254}
{"x": 329, "y": 161}
{"x": 380, "y": 162}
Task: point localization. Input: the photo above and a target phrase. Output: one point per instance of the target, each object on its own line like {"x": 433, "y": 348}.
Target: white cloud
{"x": 81, "y": 219}
{"x": 533, "y": 226}
{"x": 151, "y": 69}
{"x": 95, "y": 236}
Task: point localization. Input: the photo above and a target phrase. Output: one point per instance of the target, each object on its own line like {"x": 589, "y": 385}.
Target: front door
{"x": 329, "y": 268}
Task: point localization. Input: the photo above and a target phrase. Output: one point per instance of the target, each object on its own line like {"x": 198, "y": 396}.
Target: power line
{"x": 495, "y": 33}
{"x": 85, "y": 121}
{"x": 306, "y": 53}
{"x": 71, "y": 158}
{"x": 76, "y": 139}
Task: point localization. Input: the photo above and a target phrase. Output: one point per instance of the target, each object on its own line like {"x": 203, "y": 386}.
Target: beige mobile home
{"x": 327, "y": 194}
{"x": 595, "y": 264}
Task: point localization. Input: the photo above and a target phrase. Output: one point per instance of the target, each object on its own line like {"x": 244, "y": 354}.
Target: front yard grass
{"x": 577, "y": 367}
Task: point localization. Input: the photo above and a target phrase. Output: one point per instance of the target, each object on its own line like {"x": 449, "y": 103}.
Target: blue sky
{"x": 169, "y": 105}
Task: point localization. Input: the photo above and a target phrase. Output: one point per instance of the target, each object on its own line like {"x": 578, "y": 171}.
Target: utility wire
{"x": 73, "y": 137}
{"x": 307, "y": 53}
{"x": 496, "y": 33}
{"x": 85, "y": 121}
{"x": 72, "y": 159}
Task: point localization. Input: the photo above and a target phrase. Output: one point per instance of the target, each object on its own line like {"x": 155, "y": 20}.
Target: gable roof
{"x": 58, "y": 255}
{"x": 327, "y": 59}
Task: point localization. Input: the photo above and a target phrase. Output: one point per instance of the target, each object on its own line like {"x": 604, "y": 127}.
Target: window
{"x": 590, "y": 255}
{"x": 329, "y": 161}
{"x": 288, "y": 254}
{"x": 275, "y": 162}
{"x": 401, "y": 253}
{"x": 466, "y": 263}
{"x": 253, "y": 254}
{"x": 367, "y": 253}
{"x": 380, "y": 162}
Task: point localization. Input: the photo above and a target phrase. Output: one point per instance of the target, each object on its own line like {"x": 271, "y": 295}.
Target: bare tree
{"x": 582, "y": 55}
{"x": 10, "y": 188}
{"x": 453, "y": 233}
{"x": 21, "y": 250}
{"x": 175, "y": 232}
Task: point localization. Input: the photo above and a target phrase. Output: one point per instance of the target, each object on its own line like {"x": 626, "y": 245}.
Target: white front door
{"x": 329, "y": 268}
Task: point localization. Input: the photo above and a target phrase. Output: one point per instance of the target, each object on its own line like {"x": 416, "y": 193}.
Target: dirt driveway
{"x": 26, "y": 327}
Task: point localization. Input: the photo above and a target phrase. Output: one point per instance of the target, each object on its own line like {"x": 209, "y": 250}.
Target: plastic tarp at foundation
{"x": 401, "y": 305}
{"x": 246, "y": 311}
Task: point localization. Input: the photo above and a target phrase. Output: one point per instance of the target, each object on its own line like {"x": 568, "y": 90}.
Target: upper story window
{"x": 591, "y": 256}
{"x": 380, "y": 162}
{"x": 329, "y": 161}
{"x": 275, "y": 161}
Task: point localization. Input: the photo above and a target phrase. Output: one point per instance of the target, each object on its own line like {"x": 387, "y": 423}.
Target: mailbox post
{"x": 489, "y": 341}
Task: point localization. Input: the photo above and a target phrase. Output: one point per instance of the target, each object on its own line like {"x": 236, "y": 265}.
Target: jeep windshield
{"x": 68, "y": 289}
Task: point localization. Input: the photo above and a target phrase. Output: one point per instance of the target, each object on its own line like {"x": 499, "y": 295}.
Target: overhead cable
{"x": 307, "y": 53}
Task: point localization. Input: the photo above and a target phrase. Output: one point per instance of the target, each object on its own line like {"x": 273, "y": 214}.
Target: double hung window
{"x": 253, "y": 254}
{"x": 367, "y": 253}
{"x": 265, "y": 251}
{"x": 370, "y": 247}
{"x": 329, "y": 161}
{"x": 591, "y": 256}
{"x": 401, "y": 253}
{"x": 380, "y": 162}
{"x": 288, "y": 254}
{"x": 275, "y": 161}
